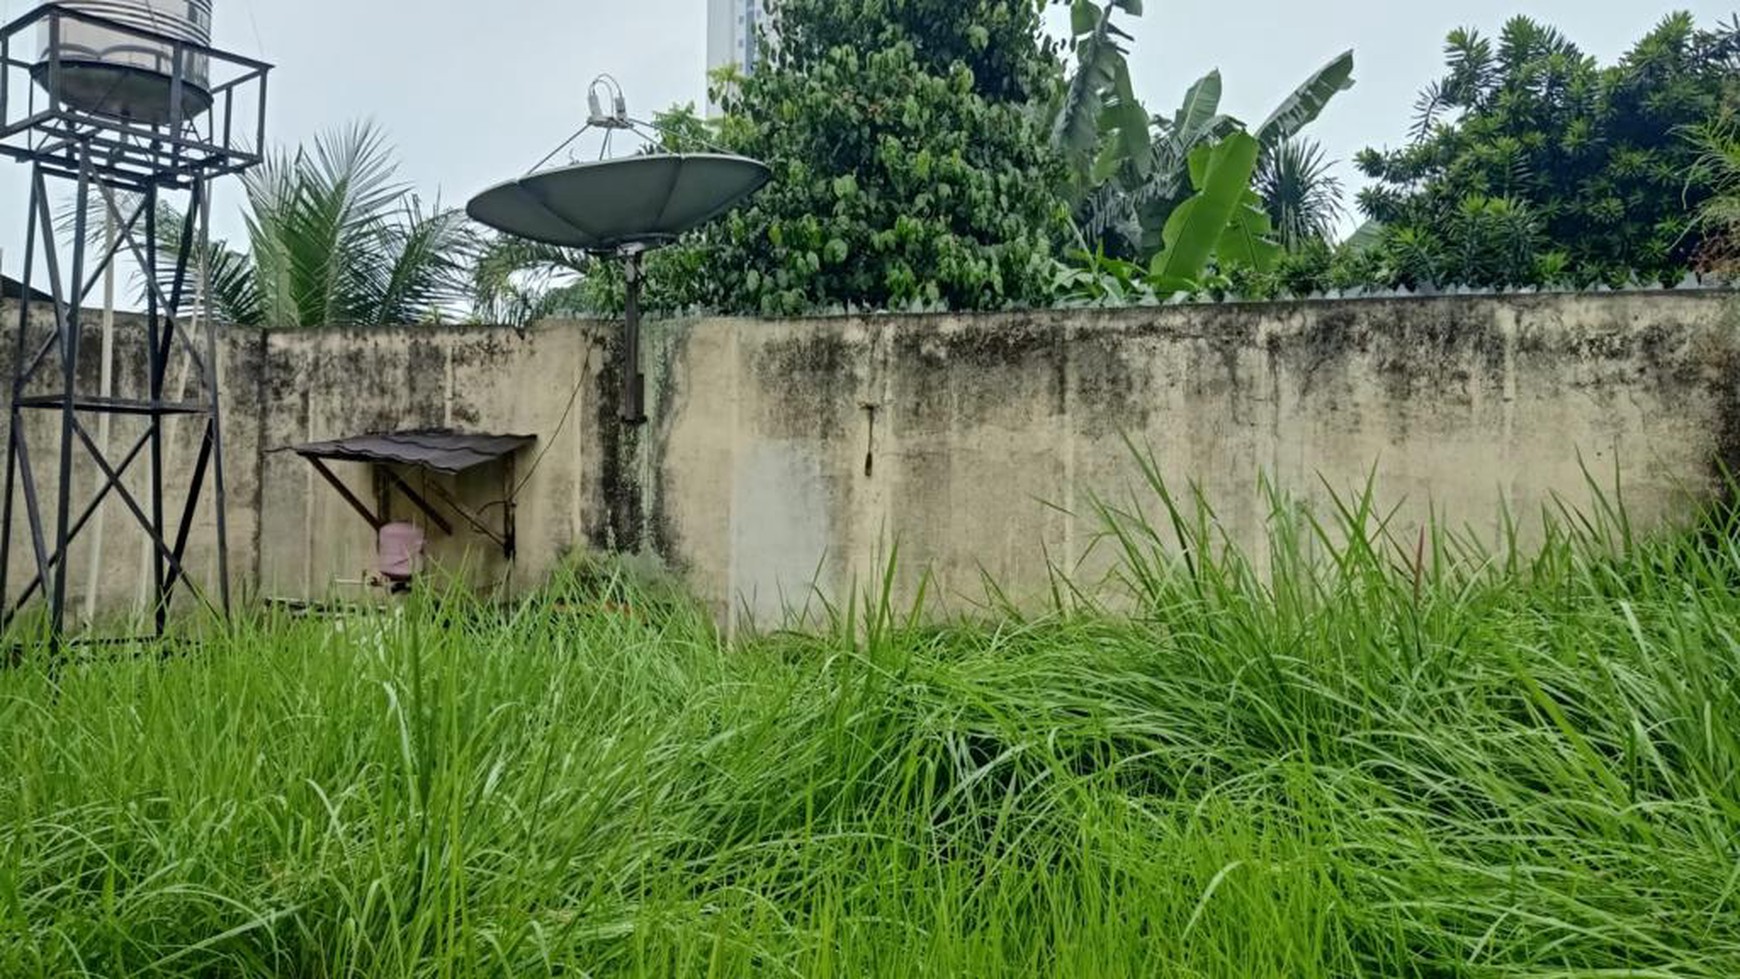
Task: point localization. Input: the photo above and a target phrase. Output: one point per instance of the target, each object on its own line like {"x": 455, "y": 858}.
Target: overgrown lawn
{"x": 1404, "y": 756}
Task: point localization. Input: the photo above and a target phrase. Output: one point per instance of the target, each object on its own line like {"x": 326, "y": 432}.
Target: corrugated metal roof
{"x": 440, "y": 449}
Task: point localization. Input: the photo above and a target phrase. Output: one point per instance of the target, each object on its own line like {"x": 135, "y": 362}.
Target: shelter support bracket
{"x": 503, "y": 538}
{"x": 376, "y": 522}
{"x": 420, "y": 503}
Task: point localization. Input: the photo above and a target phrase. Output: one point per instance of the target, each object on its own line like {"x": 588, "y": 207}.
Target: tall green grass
{"x": 1362, "y": 753}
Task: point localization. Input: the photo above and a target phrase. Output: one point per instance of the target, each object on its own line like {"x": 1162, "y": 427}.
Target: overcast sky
{"x": 475, "y": 91}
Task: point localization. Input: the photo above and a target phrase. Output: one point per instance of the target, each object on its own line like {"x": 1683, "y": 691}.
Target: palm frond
{"x": 515, "y": 281}
{"x": 1717, "y": 219}
{"x": 343, "y": 194}
{"x": 333, "y": 239}
{"x": 421, "y": 273}
{"x": 1300, "y": 195}
{"x": 271, "y": 194}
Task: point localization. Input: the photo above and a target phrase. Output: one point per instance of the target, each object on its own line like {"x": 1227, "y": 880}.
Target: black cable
{"x": 567, "y": 412}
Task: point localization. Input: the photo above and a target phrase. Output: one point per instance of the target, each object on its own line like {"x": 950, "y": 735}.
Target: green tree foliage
{"x": 999, "y": 41}
{"x": 1531, "y": 162}
{"x": 909, "y": 168}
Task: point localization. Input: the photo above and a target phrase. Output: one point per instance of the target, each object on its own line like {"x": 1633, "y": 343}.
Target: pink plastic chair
{"x": 400, "y": 552}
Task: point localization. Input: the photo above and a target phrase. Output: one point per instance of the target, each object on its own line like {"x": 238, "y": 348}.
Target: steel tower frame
{"x": 126, "y": 168}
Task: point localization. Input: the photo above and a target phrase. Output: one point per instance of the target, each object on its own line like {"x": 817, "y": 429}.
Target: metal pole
{"x": 12, "y": 434}
{"x": 216, "y": 423}
{"x": 633, "y": 383}
{"x": 69, "y": 372}
{"x": 94, "y": 574}
{"x": 154, "y": 372}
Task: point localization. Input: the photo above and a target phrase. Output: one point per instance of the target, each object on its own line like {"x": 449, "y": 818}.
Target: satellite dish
{"x": 621, "y": 207}
{"x": 611, "y": 204}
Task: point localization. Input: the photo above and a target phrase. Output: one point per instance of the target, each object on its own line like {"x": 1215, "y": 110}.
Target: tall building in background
{"x": 732, "y": 29}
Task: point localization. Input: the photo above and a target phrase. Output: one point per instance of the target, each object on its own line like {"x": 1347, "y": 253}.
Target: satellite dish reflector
{"x": 610, "y": 204}
{"x": 622, "y": 207}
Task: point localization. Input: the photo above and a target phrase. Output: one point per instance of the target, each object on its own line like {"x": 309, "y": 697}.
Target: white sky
{"x": 473, "y": 92}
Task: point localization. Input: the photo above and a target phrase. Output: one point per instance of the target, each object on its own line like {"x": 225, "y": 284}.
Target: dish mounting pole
{"x": 633, "y": 408}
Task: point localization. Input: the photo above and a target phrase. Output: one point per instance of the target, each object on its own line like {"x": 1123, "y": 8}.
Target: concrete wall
{"x": 786, "y": 456}
{"x": 784, "y": 449}
{"x": 317, "y": 385}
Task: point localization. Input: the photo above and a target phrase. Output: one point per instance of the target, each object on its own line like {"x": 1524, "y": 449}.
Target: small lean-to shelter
{"x": 422, "y": 467}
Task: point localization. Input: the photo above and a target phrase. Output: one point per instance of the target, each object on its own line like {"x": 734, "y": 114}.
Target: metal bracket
{"x": 387, "y": 480}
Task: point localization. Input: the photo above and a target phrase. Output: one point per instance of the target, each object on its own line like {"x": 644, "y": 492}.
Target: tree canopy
{"x": 934, "y": 154}
{"x": 908, "y": 165}
{"x": 1531, "y": 162}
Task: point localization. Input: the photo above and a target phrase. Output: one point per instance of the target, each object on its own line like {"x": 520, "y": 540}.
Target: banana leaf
{"x": 1222, "y": 175}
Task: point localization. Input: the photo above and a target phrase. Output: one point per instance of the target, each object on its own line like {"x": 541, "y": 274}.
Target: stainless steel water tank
{"x": 112, "y": 72}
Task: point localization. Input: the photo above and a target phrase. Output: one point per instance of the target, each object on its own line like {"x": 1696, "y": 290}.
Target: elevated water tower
{"x": 106, "y": 70}
{"x": 125, "y": 107}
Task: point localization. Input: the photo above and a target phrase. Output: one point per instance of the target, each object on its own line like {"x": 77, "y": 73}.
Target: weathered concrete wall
{"x": 783, "y": 458}
{"x": 790, "y": 452}
{"x": 328, "y": 384}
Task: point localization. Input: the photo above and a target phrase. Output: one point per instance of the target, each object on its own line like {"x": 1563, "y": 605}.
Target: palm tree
{"x": 1301, "y": 196}
{"x": 1718, "y": 218}
{"x": 515, "y": 282}
{"x": 334, "y": 239}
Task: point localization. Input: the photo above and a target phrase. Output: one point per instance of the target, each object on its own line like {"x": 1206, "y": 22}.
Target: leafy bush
{"x": 1532, "y": 162}
{"x": 908, "y": 165}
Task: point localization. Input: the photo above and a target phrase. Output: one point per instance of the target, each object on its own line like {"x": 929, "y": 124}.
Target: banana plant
{"x": 1098, "y": 121}
{"x": 1307, "y": 102}
{"x": 1219, "y": 229}
{"x": 1129, "y": 209}
{"x": 1135, "y": 204}
{"x": 1223, "y": 223}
